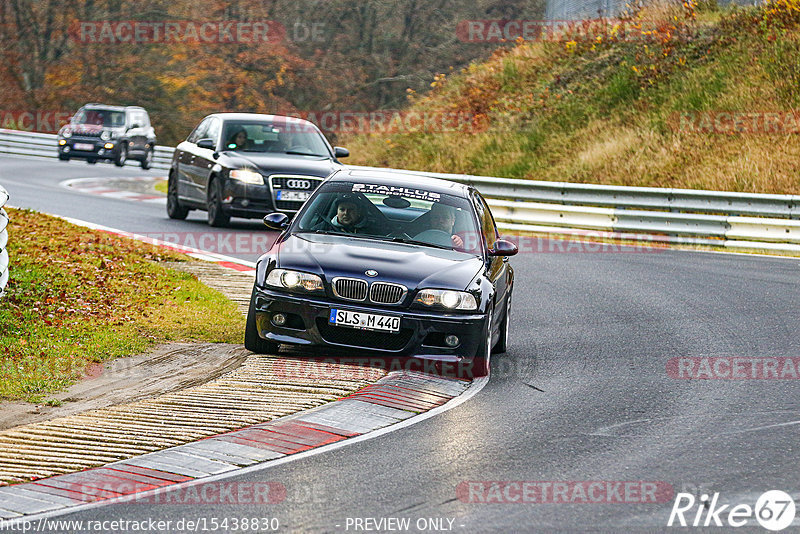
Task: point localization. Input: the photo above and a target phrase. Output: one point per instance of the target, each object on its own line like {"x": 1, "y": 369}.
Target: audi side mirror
{"x": 276, "y": 221}
{"x": 503, "y": 248}
{"x": 340, "y": 152}
{"x": 207, "y": 143}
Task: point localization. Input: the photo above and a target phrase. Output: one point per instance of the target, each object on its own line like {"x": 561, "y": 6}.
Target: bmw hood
{"x": 282, "y": 163}
{"x": 414, "y": 266}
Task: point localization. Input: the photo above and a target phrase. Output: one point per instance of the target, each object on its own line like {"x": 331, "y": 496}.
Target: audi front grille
{"x": 288, "y": 182}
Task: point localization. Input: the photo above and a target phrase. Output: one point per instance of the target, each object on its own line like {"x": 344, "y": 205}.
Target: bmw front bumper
{"x": 421, "y": 334}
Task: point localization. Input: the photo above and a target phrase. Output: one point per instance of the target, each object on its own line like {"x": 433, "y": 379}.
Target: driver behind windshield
{"x": 442, "y": 219}
{"x": 238, "y": 139}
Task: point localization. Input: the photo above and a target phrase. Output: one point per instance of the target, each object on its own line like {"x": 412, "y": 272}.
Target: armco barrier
{"x": 642, "y": 198}
{"x": 46, "y": 145}
{"x": 3, "y": 241}
{"x": 722, "y": 218}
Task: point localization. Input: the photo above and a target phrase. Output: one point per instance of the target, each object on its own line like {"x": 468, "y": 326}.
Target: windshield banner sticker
{"x": 419, "y": 194}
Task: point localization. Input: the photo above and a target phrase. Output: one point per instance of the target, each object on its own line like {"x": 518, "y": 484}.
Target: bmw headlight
{"x": 106, "y": 135}
{"x": 66, "y": 133}
{"x": 447, "y": 299}
{"x": 248, "y": 177}
{"x": 294, "y": 280}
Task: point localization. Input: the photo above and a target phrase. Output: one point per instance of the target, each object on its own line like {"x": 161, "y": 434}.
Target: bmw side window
{"x": 488, "y": 227}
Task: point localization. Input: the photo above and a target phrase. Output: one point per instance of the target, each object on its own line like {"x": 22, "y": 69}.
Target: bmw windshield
{"x": 400, "y": 214}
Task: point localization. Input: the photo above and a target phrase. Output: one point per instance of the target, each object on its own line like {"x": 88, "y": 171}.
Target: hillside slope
{"x": 677, "y": 95}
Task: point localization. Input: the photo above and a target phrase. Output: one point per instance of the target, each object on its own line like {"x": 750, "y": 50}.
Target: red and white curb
{"x": 399, "y": 399}
{"x": 228, "y": 262}
{"x": 99, "y": 186}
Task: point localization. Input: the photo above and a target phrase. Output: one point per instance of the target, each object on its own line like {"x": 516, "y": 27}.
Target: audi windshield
{"x": 274, "y": 137}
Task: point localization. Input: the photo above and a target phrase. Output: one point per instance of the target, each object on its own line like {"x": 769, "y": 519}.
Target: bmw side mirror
{"x": 503, "y": 248}
{"x": 207, "y": 143}
{"x": 276, "y": 221}
{"x": 340, "y": 152}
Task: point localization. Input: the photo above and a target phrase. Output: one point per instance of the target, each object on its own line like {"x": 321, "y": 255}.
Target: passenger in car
{"x": 350, "y": 218}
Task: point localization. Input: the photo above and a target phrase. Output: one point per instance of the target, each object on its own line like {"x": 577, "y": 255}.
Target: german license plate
{"x": 302, "y": 196}
{"x": 365, "y": 321}
{"x": 83, "y": 146}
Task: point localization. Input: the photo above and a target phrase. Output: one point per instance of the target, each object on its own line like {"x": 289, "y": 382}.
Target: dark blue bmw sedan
{"x": 391, "y": 263}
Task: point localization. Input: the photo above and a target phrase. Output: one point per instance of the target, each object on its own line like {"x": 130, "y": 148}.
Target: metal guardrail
{"x": 721, "y": 218}
{"x": 3, "y": 241}
{"x": 684, "y": 216}
{"x": 643, "y": 198}
{"x": 46, "y": 145}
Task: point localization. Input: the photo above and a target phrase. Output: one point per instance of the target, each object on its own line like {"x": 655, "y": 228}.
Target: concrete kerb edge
{"x": 471, "y": 389}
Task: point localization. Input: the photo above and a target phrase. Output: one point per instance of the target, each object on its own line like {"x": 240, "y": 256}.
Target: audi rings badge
{"x": 298, "y": 184}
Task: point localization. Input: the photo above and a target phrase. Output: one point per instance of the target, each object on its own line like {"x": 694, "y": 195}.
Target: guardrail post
{"x": 3, "y": 241}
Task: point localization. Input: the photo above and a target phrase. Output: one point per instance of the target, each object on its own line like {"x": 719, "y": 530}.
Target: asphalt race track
{"x": 33, "y": 183}
{"x": 583, "y": 394}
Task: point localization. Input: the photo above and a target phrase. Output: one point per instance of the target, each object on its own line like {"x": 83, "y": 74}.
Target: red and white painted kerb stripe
{"x": 396, "y": 398}
{"x": 220, "y": 259}
{"x": 99, "y": 186}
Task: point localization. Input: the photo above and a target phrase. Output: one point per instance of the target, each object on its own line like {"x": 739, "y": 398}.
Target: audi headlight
{"x": 105, "y": 135}
{"x": 66, "y": 133}
{"x": 248, "y": 177}
{"x": 294, "y": 280}
{"x": 448, "y": 299}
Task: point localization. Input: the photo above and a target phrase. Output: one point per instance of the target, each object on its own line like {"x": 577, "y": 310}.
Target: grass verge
{"x": 78, "y": 296}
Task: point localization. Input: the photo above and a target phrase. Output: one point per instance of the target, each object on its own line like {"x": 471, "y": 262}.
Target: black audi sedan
{"x": 392, "y": 263}
{"x": 248, "y": 165}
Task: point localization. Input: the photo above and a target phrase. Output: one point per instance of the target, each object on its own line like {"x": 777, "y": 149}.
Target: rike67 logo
{"x": 774, "y": 510}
